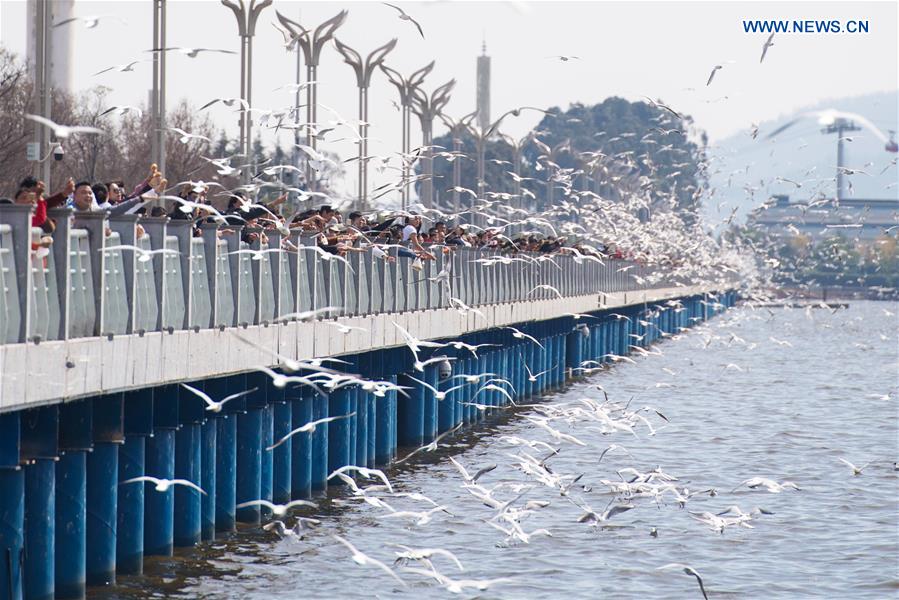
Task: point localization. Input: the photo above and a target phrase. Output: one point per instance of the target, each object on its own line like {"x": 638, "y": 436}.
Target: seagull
{"x": 191, "y": 52}
{"x": 518, "y": 335}
{"x": 308, "y": 427}
{"x": 344, "y": 329}
{"x": 229, "y": 102}
{"x": 367, "y": 473}
{"x": 257, "y": 254}
{"x": 283, "y": 531}
{"x": 121, "y": 110}
{"x": 186, "y": 137}
{"x": 63, "y": 131}
{"x": 545, "y": 286}
{"x": 424, "y": 554}
{"x": 405, "y": 17}
{"x": 468, "y": 477}
{"x": 361, "y": 559}
{"x": 564, "y": 58}
{"x": 855, "y": 470}
{"x": 279, "y": 510}
{"x": 595, "y": 518}
{"x": 421, "y": 518}
{"x": 769, "y": 484}
{"x": 123, "y": 68}
{"x": 143, "y": 255}
{"x": 533, "y": 377}
{"x": 308, "y": 315}
{"x": 212, "y": 405}
{"x": 163, "y": 485}
{"x": 438, "y": 394}
{"x": 89, "y": 22}
{"x": 686, "y": 568}
{"x": 768, "y": 44}
{"x": 432, "y": 446}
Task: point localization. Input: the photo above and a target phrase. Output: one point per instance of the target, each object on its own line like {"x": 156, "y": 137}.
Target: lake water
{"x": 740, "y": 405}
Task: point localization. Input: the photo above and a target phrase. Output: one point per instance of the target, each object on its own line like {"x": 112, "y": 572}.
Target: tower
{"x": 483, "y": 105}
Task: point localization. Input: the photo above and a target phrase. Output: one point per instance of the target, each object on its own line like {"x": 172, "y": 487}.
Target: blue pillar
{"x": 362, "y": 402}
{"x": 430, "y": 403}
{"x": 130, "y": 513}
{"x": 266, "y": 471}
{"x": 446, "y": 414}
{"x": 371, "y": 433}
{"x": 71, "y": 489}
{"x": 282, "y": 456}
{"x": 187, "y": 502}
{"x": 130, "y": 500}
{"x": 320, "y": 443}
{"x": 159, "y": 507}
{"x": 410, "y": 413}
{"x": 208, "y": 439}
{"x": 40, "y": 514}
{"x": 103, "y": 488}
{"x": 39, "y": 431}
{"x": 226, "y": 472}
{"x": 71, "y": 496}
{"x": 249, "y": 463}
{"x": 102, "y": 509}
{"x": 300, "y": 446}
{"x": 353, "y": 423}
{"x": 12, "y": 525}
{"x": 12, "y": 508}
{"x": 339, "y": 431}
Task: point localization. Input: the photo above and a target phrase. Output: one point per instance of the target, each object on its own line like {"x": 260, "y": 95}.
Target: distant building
{"x": 483, "y": 90}
{"x": 62, "y": 40}
{"x": 853, "y": 218}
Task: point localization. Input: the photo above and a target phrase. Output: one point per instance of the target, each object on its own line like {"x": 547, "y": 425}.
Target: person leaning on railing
{"x": 28, "y": 197}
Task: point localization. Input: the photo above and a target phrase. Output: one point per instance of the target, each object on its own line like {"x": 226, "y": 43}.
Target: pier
{"x": 97, "y": 343}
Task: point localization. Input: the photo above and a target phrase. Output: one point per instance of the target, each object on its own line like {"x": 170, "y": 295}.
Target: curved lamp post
{"x": 456, "y": 128}
{"x": 426, "y": 108}
{"x": 364, "y": 70}
{"x": 246, "y": 27}
{"x": 405, "y": 87}
{"x": 517, "y": 145}
{"x": 312, "y": 46}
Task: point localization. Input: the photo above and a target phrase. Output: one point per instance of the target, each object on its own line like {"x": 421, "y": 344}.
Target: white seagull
{"x": 279, "y": 510}
{"x": 308, "y": 427}
{"x": 363, "y": 560}
{"x": 212, "y": 405}
{"x": 405, "y": 17}
{"x": 688, "y": 569}
{"x": 64, "y": 131}
{"x": 163, "y": 485}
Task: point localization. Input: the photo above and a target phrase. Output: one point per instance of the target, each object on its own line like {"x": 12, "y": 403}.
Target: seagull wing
{"x": 209, "y": 401}
{"x": 189, "y": 484}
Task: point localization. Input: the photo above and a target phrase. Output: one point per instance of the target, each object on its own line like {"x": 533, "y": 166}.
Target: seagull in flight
{"x": 186, "y": 136}
{"x": 688, "y": 569}
{"x": 564, "y": 58}
{"x": 308, "y": 428}
{"x": 143, "y": 255}
{"x": 89, "y": 22}
{"x": 212, "y": 405}
{"x": 768, "y": 44}
{"x": 466, "y": 475}
{"x": 191, "y": 52}
{"x": 163, "y": 485}
{"x": 279, "y": 510}
{"x": 518, "y": 335}
{"x": 63, "y": 131}
{"x": 123, "y": 68}
{"x": 855, "y": 470}
{"x": 363, "y": 560}
{"x": 405, "y": 17}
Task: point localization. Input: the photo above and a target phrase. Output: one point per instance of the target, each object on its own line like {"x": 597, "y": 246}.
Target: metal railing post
{"x": 210, "y": 252}
{"x": 183, "y": 231}
{"x": 62, "y": 259}
{"x": 232, "y": 237}
{"x": 95, "y": 224}
{"x": 125, "y": 226}
{"x": 18, "y": 217}
{"x": 156, "y": 229}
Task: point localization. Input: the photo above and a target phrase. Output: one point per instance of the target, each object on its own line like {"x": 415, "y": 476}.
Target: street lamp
{"x": 517, "y": 146}
{"x": 364, "y": 72}
{"x": 312, "y": 47}
{"x": 427, "y": 108}
{"x": 246, "y": 28}
{"x": 405, "y": 87}
{"x": 43, "y": 44}
{"x": 456, "y": 128}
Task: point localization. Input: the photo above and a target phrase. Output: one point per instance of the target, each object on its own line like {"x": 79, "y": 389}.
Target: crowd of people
{"x": 326, "y": 225}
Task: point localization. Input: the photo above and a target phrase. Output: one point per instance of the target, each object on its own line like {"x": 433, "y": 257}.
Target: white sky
{"x": 660, "y": 49}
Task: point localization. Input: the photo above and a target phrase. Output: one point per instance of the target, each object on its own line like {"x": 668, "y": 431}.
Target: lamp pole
{"x": 426, "y": 108}
{"x": 363, "y": 70}
{"x": 246, "y": 28}
{"x": 405, "y": 86}
{"x": 157, "y": 95}
{"x": 456, "y": 128}
{"x": 312, "y": 45}
{"x": 42, "y": 106}
{"x": 517, "y": 146}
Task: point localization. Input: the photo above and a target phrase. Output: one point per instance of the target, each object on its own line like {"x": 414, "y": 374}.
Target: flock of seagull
{"x": 554, "y": 428}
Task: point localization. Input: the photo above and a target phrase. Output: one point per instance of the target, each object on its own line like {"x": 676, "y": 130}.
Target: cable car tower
{"x": 841, "y": 126}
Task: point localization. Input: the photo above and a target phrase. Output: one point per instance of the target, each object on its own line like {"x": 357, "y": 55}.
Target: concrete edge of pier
{"x": 57, "y": 371}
